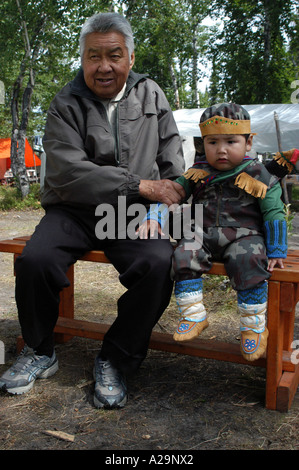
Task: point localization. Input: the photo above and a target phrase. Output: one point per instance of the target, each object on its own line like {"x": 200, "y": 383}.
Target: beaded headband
{"x": 223, "y": 125}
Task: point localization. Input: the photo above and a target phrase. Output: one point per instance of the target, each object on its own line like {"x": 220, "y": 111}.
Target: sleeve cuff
{"x": 158, "y": 212}
{"x": 276, "y": 238}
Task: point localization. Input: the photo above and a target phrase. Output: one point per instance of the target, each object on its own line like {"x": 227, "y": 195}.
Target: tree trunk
{"x": 2, "y": 92}
{"x": 195, "y": 94}
{"x": 18, "y": 137}
{"x": 175, "y": 87}
{"x": 267, "y": 46}
{"x": 18, "y": 165}
{"x": 17, "y": 149}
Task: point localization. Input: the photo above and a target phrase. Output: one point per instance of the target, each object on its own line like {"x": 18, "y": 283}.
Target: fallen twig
{"x": 61, "y": 435}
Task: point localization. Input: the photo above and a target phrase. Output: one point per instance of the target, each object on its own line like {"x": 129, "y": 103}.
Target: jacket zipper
{"x": 117, "y": 145}
{"x": 115, "y": 137}
{"x": 117, "y": 134}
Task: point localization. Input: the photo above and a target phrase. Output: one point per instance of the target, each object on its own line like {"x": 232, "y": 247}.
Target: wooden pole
{"x": 283, "y": 181}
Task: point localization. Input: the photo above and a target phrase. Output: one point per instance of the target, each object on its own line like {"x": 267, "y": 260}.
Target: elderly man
{"x": 109, "y": 133}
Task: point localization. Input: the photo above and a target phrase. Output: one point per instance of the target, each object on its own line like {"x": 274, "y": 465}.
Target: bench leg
{"x": 289, "y": 382}
{"x": 20, "y": 344}
{"x": 287, "y": 389}
{"x": 275, "y": 345}
{"x": 66, "y": 306}
{"x": 288, "y": 294}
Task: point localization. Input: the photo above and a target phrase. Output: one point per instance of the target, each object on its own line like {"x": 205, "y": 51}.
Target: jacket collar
{"x": 79, "y": 87}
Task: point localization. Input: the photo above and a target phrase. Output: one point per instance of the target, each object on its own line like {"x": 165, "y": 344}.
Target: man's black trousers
{"x": 61, "y": 238}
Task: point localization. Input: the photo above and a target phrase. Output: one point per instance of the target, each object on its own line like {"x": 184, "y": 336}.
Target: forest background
{"x": 245, "y": 51}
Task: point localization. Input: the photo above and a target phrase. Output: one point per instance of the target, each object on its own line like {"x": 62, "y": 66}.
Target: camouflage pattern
{"x": 232, "y": 232}
{"x": 226, "y": 205}
{"x": 228, "y": 110}
{"x": 241, "y": 250}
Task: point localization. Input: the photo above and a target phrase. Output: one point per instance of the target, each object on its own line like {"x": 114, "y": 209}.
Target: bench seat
{"x": 282, "y": 368}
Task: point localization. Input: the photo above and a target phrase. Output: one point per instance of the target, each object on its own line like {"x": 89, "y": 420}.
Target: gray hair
{"x": 105, "y": 22}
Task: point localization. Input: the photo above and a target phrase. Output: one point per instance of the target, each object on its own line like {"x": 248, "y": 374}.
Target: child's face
{"x": 225, "y": 152}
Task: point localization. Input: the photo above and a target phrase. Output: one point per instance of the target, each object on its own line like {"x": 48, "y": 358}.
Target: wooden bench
{"x": 282, "y": 365}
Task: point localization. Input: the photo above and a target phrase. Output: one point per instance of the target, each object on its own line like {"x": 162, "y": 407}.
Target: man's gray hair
{"x": 105, "y": 22}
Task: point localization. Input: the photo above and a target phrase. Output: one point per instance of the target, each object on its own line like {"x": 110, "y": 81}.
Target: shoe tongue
{"x": 110, "y": 375}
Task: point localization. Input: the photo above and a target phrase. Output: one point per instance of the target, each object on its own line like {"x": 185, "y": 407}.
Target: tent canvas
{"x": 262, "y": 122}
{"x": 31, "y": 160}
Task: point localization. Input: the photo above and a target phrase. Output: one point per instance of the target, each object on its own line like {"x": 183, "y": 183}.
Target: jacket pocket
{"x": 132, "y": 113}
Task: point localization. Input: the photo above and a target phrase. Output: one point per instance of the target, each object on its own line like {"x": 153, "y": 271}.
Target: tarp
{"x": 31, "y": 160}
{"x": 262, "y": 122}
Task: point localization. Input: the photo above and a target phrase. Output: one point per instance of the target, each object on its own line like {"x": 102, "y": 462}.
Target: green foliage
{"x": 289, "y": 216}
{"x": 253, "y": 49}
{"x": 53, "y": 33}
{"x": 295, "y": 192}
{"x": 170, "y": 44}
{"x": 255, "y": 55}
{"x": 295, "y": 198}
{"x": 11, "y": 198}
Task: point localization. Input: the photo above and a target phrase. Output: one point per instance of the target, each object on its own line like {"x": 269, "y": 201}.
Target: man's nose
{"x": 104, "y": 65}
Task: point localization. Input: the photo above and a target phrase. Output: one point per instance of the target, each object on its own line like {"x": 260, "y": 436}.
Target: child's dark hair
{"x": 228, "y": 110}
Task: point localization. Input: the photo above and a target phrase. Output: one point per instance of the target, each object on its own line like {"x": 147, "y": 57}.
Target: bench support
{"x": 282, "y": 371}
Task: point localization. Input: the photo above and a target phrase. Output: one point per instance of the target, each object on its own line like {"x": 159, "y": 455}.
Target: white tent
{"x": 262, "y": 122}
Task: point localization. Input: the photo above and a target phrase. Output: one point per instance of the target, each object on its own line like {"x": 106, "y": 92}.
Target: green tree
{"x": 252, "y": 52}
{"x": 170, "y": 45}
{"x": 39, "y": 54}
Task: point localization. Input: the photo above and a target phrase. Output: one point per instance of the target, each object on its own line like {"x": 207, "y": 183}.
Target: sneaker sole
{"x": 26, "y": 388}
{"x": 99, "y": 404}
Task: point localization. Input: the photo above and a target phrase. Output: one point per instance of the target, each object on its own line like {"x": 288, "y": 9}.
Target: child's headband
{"x": 223, "y": 125}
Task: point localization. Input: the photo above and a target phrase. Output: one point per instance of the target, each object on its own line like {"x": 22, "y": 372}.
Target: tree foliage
{"x": 252, "y": 49}
{"x": 254, "y": 53}
{"x": 170, "y": 43}
{"x": 41, "y": 44}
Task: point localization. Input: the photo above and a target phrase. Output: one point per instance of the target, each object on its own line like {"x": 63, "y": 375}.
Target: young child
{"x": 243, "y": 226}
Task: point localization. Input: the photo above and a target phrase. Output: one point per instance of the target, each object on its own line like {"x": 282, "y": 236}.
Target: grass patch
{"x": 11, "y": 199}
{"x": 295, "y": 198}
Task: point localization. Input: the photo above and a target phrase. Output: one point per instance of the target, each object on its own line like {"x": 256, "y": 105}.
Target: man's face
{"x": 106, "y": 63}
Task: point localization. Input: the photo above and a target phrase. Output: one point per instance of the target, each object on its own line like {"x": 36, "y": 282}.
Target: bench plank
{"x": 289, "y": 274}
{"x": 282, "y": 375}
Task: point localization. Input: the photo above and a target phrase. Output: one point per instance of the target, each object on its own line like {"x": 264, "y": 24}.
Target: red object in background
{"x": 31, "y": 159}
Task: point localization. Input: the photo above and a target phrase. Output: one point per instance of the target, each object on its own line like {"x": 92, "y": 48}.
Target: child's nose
{"x": 221, "y": 148}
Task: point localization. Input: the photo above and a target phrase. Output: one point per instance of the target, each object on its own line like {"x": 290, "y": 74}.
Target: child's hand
{"x": 275, "y": 262}
{"x": 149, "y": 227}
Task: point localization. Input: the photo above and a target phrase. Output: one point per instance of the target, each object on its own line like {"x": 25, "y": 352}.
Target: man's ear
{"x": 132, "y": 61}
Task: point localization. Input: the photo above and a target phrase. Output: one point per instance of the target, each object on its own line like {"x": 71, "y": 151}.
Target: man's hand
{"x": 273, "y": 262}
{"x": 165, "y": 191}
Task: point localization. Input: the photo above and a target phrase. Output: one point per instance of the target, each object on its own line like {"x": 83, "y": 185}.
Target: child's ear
{"x": 249, "y": 143}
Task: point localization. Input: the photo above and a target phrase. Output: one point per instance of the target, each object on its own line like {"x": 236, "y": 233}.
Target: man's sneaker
{"x": 20, "y": 377}
{"x": 110, "y": 387}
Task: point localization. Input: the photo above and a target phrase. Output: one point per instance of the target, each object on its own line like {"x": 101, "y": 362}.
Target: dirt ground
{"x": 176, "y": 403}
